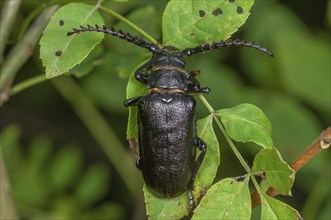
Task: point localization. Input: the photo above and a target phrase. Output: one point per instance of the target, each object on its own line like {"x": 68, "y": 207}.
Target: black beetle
{"x": 166, "y": 116}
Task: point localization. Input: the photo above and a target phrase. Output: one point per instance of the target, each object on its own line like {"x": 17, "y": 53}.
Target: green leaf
{"x": 65, "y": 167}
{"x": 165, "y": 208}
{"x": 58, "y": 52}
{"x": 177, "y": 207}
{"x": 190, "y": 23}
{"x": 10, "y": 145}
{"x": 278, "y": 173}
{"x": 32, "y": 166}
{"x": 245, "y": 123}
{"x": 275, "y": 209}
{"x": 227, "y": 199}
{"x": 209, "y": 166}
{"x": 88, "y": 64}
{"x": 94, "y": 184}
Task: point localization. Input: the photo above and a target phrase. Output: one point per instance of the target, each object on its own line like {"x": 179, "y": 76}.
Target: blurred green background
{"x": 67, "y": 161}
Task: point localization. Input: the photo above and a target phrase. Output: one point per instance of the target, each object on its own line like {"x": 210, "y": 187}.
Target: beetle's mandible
{"x": 166, "y": 116}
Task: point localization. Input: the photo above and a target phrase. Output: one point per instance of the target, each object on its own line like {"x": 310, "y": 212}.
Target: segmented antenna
{"x": 118, "y": 33}
{"x": 227, "y": 43}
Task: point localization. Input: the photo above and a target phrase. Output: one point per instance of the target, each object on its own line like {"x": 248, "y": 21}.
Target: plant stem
{"x": 206, "y": 103}
{"x": 7, "y": 207}
{"x": 22, "y": 51}
{"x": 34, "y": 14}
{"x": 101, "y": 131}
{"x": 8, "y": 15}
{"x": 321, "y": 143}
{"x": 131, "y": 24}
{"x": 28, "y": 83}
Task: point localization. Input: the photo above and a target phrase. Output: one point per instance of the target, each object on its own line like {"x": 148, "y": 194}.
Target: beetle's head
{"x": 169, "y": 57}
{"x": 170, "y": 50}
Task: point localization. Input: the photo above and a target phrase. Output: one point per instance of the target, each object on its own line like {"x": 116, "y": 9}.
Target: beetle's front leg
{"x": 194, "y": 85}
{"x": 203, "y": 148}
{"x": 140, "y": 76}
{"x": 204, "y": 90}
{"x": 132, "y": 101}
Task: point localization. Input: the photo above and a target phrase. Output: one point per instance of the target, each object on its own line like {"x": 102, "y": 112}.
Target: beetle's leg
{"x": 138, "y": 163}
{"x": 133, "y": 146}
{"x": 194, "y": 73}
{"x": 203, "y": 148}
{"x": 191, "y": 199}
{"x": 194, "y": 86}
{"x": 204, "y": 90}
{"x": 133, "y": 101}
{"x": 140, "y": 76}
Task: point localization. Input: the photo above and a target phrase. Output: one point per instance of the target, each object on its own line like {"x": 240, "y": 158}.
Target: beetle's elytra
{"x": 166, "y": 116}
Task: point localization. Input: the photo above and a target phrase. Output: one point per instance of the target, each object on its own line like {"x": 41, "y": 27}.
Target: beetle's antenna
{"x": 118, "y": 33}
{"x": 228, "y": 43}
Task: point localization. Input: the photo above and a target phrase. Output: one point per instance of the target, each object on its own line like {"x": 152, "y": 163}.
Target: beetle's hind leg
{"x": 203, "y": 148}
{"x": 141, "y": 74}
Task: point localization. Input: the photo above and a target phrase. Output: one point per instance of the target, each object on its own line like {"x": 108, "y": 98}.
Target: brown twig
{"x": 322, "y": 142}
{"x": 7, "y": 22}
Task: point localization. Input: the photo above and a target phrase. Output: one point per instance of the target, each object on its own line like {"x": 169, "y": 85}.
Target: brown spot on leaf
{"x": 217, "y": 12}
{"x": 240, "y": 10}
{"x": 58, "y": 53}
{"x": 202, "y": 13}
